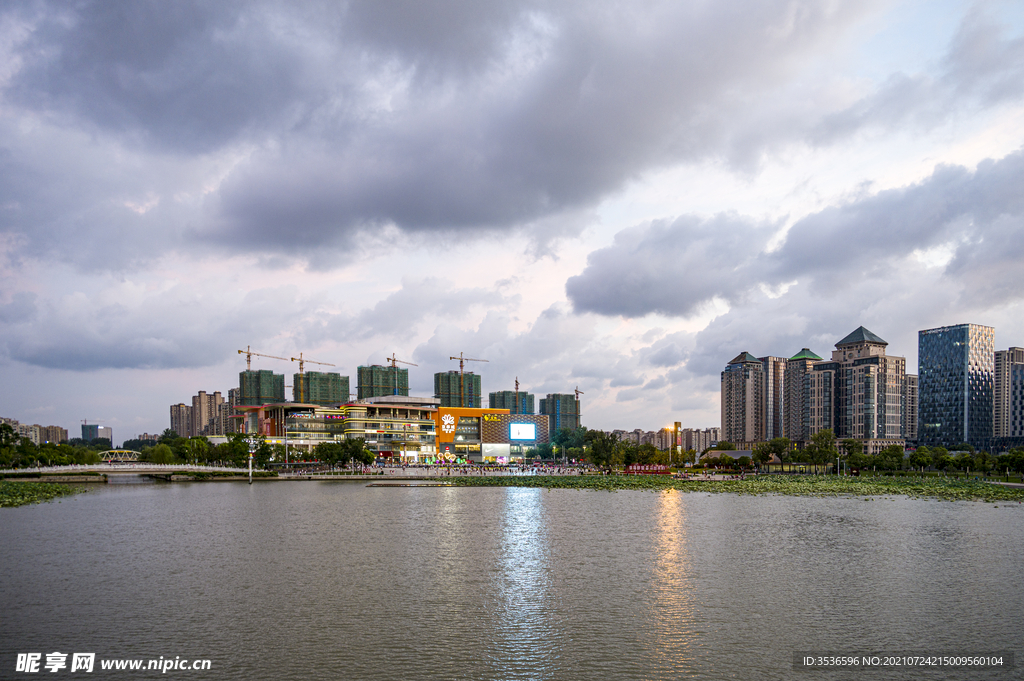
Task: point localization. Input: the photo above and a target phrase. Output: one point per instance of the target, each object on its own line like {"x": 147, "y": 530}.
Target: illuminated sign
{"x": 492, "y": 417}
{"x": 522, "y": 431}
{"x": 448, "y": 423}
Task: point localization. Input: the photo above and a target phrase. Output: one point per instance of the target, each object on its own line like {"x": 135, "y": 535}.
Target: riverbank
{"x": 18, "y": 493}
{"x": 946, "y": 489}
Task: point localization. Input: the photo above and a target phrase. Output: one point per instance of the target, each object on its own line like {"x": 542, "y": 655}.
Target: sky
{"x": 619, "y": 197}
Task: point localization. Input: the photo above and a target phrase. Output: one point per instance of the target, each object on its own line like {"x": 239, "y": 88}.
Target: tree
{"x": 562, "y": 438}
{"x": 160, "y": 454}
{"x": 8, "y": 436}
{"x": 852, "y": 447}
{"x": 724, "y": 447}
{"x": 331, "y": 453}
{"x": 964, "y": 461}
{"x": 921, "y": 459}
{"x": 983, "y": 461}
{"x": 196, "y": 449}
{"x": 940, "y": 458}
{"x": 355, "y": 450}
{"x": 168, "y": 434}
{"x": 602, "y": 448}
{"x": 762, "y": 453}
{"x": 890, "y": 458}
{"x": 779, "y": 446}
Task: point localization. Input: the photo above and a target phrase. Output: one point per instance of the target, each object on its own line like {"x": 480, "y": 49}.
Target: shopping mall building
{"x": 401, "y": 429}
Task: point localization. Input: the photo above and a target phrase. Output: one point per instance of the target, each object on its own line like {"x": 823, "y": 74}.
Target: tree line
{"x": 170, "y": 448}
{"x": 824, "y": 449}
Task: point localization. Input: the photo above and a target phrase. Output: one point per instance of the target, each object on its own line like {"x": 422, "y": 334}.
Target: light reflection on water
{"x": 336, "y": 580}
{"x": 672, "y": 624}
{"x": 525, "y": 622}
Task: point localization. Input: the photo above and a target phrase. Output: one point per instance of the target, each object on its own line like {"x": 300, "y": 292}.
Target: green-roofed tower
{"x": 743, "y": 400}
{"x": 798, "y": 396}
{"x": 805, "y": 354}
{"x": 743, "y": 358}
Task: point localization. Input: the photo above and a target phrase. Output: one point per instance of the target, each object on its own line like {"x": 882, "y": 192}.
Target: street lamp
{"x": 253, "y": 443}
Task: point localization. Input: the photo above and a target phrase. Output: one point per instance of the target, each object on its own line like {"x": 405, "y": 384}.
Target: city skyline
{"x": 618, "y": 200}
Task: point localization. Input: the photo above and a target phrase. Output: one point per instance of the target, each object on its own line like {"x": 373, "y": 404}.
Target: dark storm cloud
{"x": 185, "y": 76}
{"x": 430, "y": 117}
{"x": 676, "y": 268}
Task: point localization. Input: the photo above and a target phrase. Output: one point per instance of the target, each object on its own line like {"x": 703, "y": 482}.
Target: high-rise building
{"x": 859, "y": 393}
{"x": 315, "y": 387}
{"x": 910, "y": 408}
{"x": 90, "y": 431}
{"x": 30, "y": 431}
{"x": 53, "y": 434}
{"x": 517, "y": 403}
{"x": 381, "y": 381}
{"x": 447, "y": 388}
{"x": 260, "y": 387}
{"x": 799, "y": 369}
{"x": 205, "y": 410}
{"x": 228, "y": 420}
{"x": 106, "y": 433}
{"x": 562, "y": 410}
{"x": 956, "y": 367}
{"x": 774, "y": 396}
{"x": 700, "y": 440}
{"x": 1005, "y": 361}
{"x": 1016, "y": 415}
{"x": 181, "y": 419}
{"x": 743, "y": 400}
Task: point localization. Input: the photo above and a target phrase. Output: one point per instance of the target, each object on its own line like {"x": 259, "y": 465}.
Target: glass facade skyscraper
{"x": 956, "y": 368}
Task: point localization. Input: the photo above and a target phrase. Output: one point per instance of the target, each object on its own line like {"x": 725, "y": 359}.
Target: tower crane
{"x": 248, "y": 352}
{"x": 396, "y": 361}
{"x": 394, "y": 365}
{"x": 462, "y": 361}
{"x": 302, "y": 361}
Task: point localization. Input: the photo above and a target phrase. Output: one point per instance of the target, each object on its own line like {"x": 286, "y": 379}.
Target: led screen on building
{"x": 522, "y": 431}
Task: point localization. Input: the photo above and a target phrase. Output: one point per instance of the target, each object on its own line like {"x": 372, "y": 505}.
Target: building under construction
{"x": 260, "y": 387}
{"x": 563, "y": 411}
{"x": 381, "y": 381}
{"x": 315, "y": 387}
{"x": 516, "y": 403}
{"x": 447, "y": 389}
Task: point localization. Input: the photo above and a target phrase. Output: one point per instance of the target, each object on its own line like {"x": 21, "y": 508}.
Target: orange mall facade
{"x": 488, "y": 435}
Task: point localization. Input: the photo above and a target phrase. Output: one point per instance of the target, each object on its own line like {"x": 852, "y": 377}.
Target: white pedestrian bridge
{"x": 127, "y": 467}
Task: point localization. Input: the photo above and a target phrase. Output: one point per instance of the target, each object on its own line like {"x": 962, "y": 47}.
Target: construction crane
{"x": 248, "y": 352}
{"x": 462, "y": 361}
{"x": 395, "y": 362}
{"x": 578, "y": 393}
{"x": 302, "y": 361}
{"x": 394, "y": 365}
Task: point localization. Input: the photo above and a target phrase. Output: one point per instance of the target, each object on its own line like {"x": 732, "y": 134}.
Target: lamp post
{"x": 253, "y": 443}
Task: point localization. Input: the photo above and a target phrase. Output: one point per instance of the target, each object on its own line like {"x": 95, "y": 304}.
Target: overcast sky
{"x": 615, "y": 196}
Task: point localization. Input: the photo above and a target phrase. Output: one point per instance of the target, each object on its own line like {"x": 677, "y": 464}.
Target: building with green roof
{"x": 798, "y": 396}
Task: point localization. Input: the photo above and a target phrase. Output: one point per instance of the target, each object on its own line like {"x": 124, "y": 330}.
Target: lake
{"x": 300, "y": 580}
